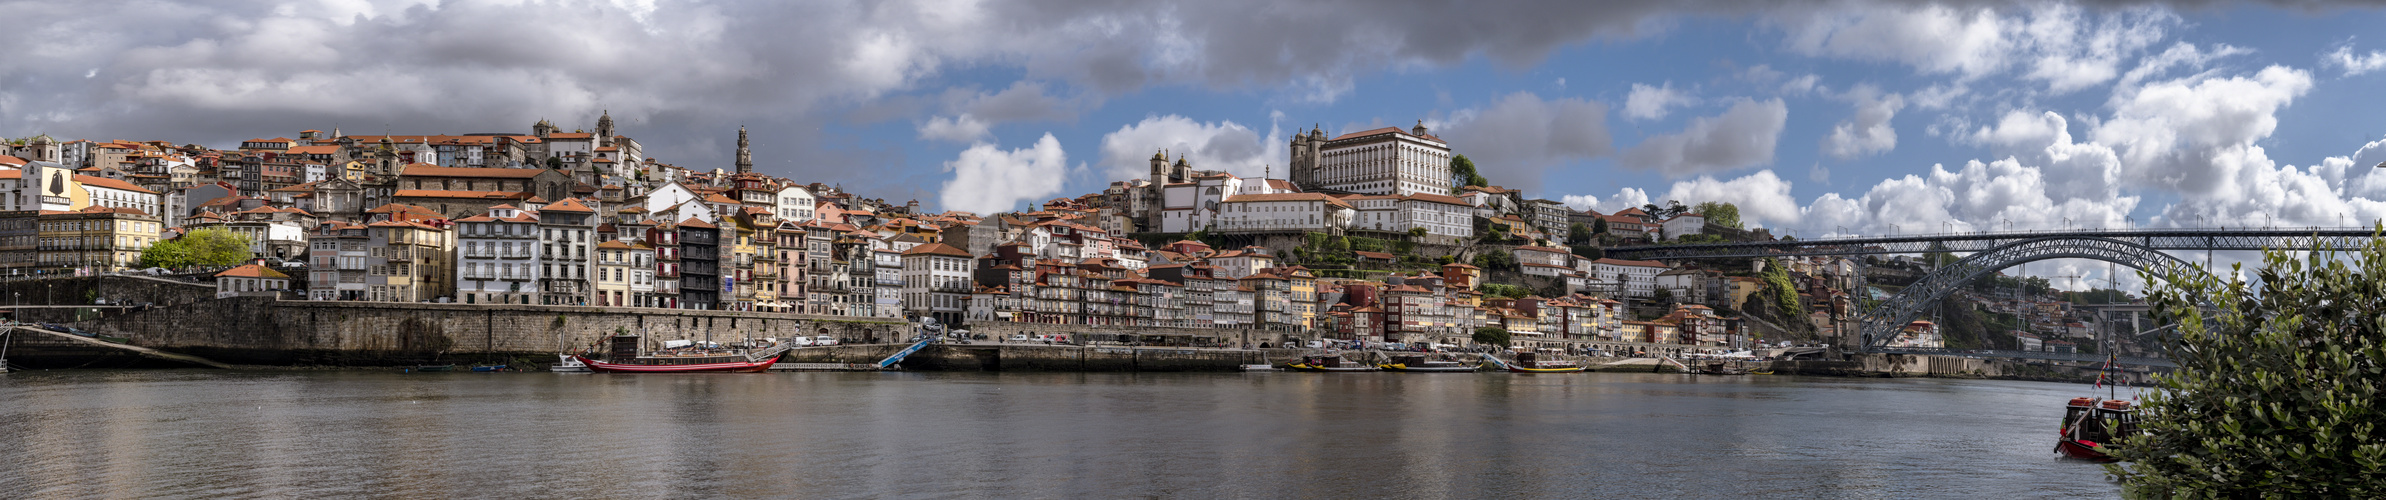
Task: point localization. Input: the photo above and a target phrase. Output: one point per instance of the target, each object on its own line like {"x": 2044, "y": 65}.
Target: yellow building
{"x": 1306, "y": 311}
{"x": 97, "y": 239}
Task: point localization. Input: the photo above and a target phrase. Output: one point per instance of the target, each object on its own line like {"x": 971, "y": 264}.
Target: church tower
{"x": 745, "y": 157}
{"x": 604, "y": 132}
{"x": 542, "y": 129}
{"x": 1303, "y": 164}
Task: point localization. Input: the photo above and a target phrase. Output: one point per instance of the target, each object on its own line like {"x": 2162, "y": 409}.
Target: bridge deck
{"x": 2158, "y": 239}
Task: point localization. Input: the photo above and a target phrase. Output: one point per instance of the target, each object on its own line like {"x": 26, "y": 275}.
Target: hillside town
{"x": 1373, "y": 236}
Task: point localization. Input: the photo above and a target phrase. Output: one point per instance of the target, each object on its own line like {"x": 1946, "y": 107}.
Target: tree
{"x": 554, "y": 162}
{"x": 1491, "y": 335}
{"x": 1578, "y": 234}
{"x": 1599, "y": 225}
{"x": 205, "y": 247}
{"x": 1416, "y": 232}
{"x": 1496, "y": 261}
{"x": 2280, "y": 390}
{"x": 1721, "y": 214}
{"x": 1463, "y": 171}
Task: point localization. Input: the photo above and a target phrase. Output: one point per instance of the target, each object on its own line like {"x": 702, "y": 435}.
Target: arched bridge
{"x": 1880, "y": 323}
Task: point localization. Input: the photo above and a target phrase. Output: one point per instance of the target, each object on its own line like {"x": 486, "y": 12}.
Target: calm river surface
{"x": 214, "y": 434}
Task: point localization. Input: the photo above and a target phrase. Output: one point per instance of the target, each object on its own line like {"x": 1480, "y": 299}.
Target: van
{"x": 802, "y": 341}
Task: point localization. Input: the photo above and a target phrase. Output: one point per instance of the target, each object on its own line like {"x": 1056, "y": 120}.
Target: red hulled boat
{"x": 2090, "y": 424}
{"x": 729, "y": 366}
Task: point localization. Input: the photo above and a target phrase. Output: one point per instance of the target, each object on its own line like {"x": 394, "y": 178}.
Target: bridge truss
{"x": 2156, "y": 239}
{"x": 1880, "y": 323}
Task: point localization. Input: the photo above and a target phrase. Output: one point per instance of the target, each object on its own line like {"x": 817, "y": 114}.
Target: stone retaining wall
{"x": 250, "y": 330}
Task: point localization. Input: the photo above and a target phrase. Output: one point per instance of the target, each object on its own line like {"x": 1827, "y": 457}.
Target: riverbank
{"x": 1124, "y": 358}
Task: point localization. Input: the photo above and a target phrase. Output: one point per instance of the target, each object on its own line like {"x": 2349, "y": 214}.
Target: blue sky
{"x": 1814, "y": 117}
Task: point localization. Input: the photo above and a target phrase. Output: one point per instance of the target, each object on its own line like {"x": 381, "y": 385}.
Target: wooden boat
{"x": 488, "y": 368}
{"x": 1259, "y": 368}
{"x": 2092, "y": 428}
{"x": 1530, "y": 362}
{"x": 1421, "y": 364}
{"x": 736, "y": 365}
{"x": 1328, "y": 363}
{"x": 434, "y": 368}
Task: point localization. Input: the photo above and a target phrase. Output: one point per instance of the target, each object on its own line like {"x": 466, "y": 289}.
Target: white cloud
{"x": 1222, "y": 145}
{"x": 1624, "y": 198}
{"x": 2354, "y": 64}
{"x": 1521, "y": 136}
{"x": 1650, "y": 103}
{"x": 1868, "y": 131}
{"x": 1764, "y": 198}
{"x": 964, "y": 128}
{"x": 2054, "y": 43}
{"x": 1741, "y": 137}
{"x": 987, "y": 179}
{"x": 2192, "y": 134}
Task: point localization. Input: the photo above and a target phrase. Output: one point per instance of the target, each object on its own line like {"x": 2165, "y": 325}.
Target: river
{"x": 214, "y": 434}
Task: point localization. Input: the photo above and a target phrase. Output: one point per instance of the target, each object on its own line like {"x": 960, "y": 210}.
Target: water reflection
{"x": 106, "y": 434}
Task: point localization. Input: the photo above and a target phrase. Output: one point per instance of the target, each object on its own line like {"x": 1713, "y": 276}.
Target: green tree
{"x": 170, "y": 254}
{"x": 1721, "y": 214}
{"x": 216, "y": 247}
{"x": 1463, "y": 170}
{"x": 1496, "y": 261}
{"x": 1416, "y": 232}
{"x": 1780, "y": 291}
{"x": 1491, "y": 335}
{"x": 2280, "y": 391}
{"x": 1599, "y": 225}
{"x": 204, "y": 247}
{"x": 1578, "y": 234}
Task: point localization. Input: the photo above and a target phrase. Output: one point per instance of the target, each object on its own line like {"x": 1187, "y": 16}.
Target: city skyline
{"x": 1860, "y": 118}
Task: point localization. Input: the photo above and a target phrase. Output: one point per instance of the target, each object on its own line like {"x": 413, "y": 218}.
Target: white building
{"x": 497, "y": 261}
{"x": 1385, "y": 161}
{"x": 1544, "y": 261}
{"x": 1282, "y": 212}
{"x": 1682, "y": 225}
{"x": 795, "y": 204}
{"x": 1191, "y": 206}
{"x": 1637, "y": 277}
{"x": 1440, "y": 215}
{"x": 936, "y": 282}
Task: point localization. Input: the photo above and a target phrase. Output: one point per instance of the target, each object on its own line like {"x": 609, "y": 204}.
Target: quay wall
{"x": 1045, "y": 358}
{"x": 264, "y": 330}
{"x": 85, "y": 290}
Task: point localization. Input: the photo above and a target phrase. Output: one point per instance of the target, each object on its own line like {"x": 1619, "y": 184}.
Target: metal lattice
{"x": 2157, "y": 239}
{"x": 1880, "y": 323}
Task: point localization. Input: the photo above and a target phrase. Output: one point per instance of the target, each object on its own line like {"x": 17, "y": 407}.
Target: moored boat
{"x": 1530, "y": 362}
{"x": 681, "y": 356}
{"x": 2092, "y": 428}
{"x": 1422, "y": 364}
{"x": 434, "y": 368}
{"x": 712, "y": 366}
{"x": 569, "y": 364}
{"x": 1328, "y": 363}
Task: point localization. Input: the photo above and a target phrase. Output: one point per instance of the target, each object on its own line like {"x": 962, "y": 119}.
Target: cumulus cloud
{"x": 1623, "y": 199}
{"x": 964, "y": 128}
{"x": 2054, "y": 43}
{"x": 987, "y": 179}
{"x": 1742, "y": 136}
{"x": 1867, "y": 132}
{"x": 1516, "y": 139}
{"x": 1650, "y": 103}
{"x": 2354, "y": 64}
{"x": 1221, "y": 145}
{"x": 2191, "y": 134}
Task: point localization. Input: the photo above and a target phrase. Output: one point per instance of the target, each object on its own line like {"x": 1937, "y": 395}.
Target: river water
{"x": 215, "y": 434}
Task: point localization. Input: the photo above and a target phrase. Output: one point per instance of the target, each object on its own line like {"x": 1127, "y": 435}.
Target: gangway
{"x": 1495, "y": 360}
{"x": 770, "y": 353}
{"x": 898, "y": 357}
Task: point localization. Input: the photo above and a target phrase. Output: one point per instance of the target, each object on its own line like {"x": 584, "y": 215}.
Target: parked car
{"x": 824, "y": 340}
{"x": 1018, "y": 337}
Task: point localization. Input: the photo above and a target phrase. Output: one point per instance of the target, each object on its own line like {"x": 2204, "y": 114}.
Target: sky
{"x": 1816, "y": 118}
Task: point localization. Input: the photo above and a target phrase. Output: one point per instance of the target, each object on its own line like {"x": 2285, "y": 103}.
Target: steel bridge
{"x": 2156, "y": 239}
{"x": 1880, "y": 323}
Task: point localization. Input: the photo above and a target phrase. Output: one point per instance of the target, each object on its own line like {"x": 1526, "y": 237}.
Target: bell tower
{"x": 745, "y": 156}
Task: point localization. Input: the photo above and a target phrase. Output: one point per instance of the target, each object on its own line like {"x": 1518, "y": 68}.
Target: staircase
{"x": 898, "y": 357}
